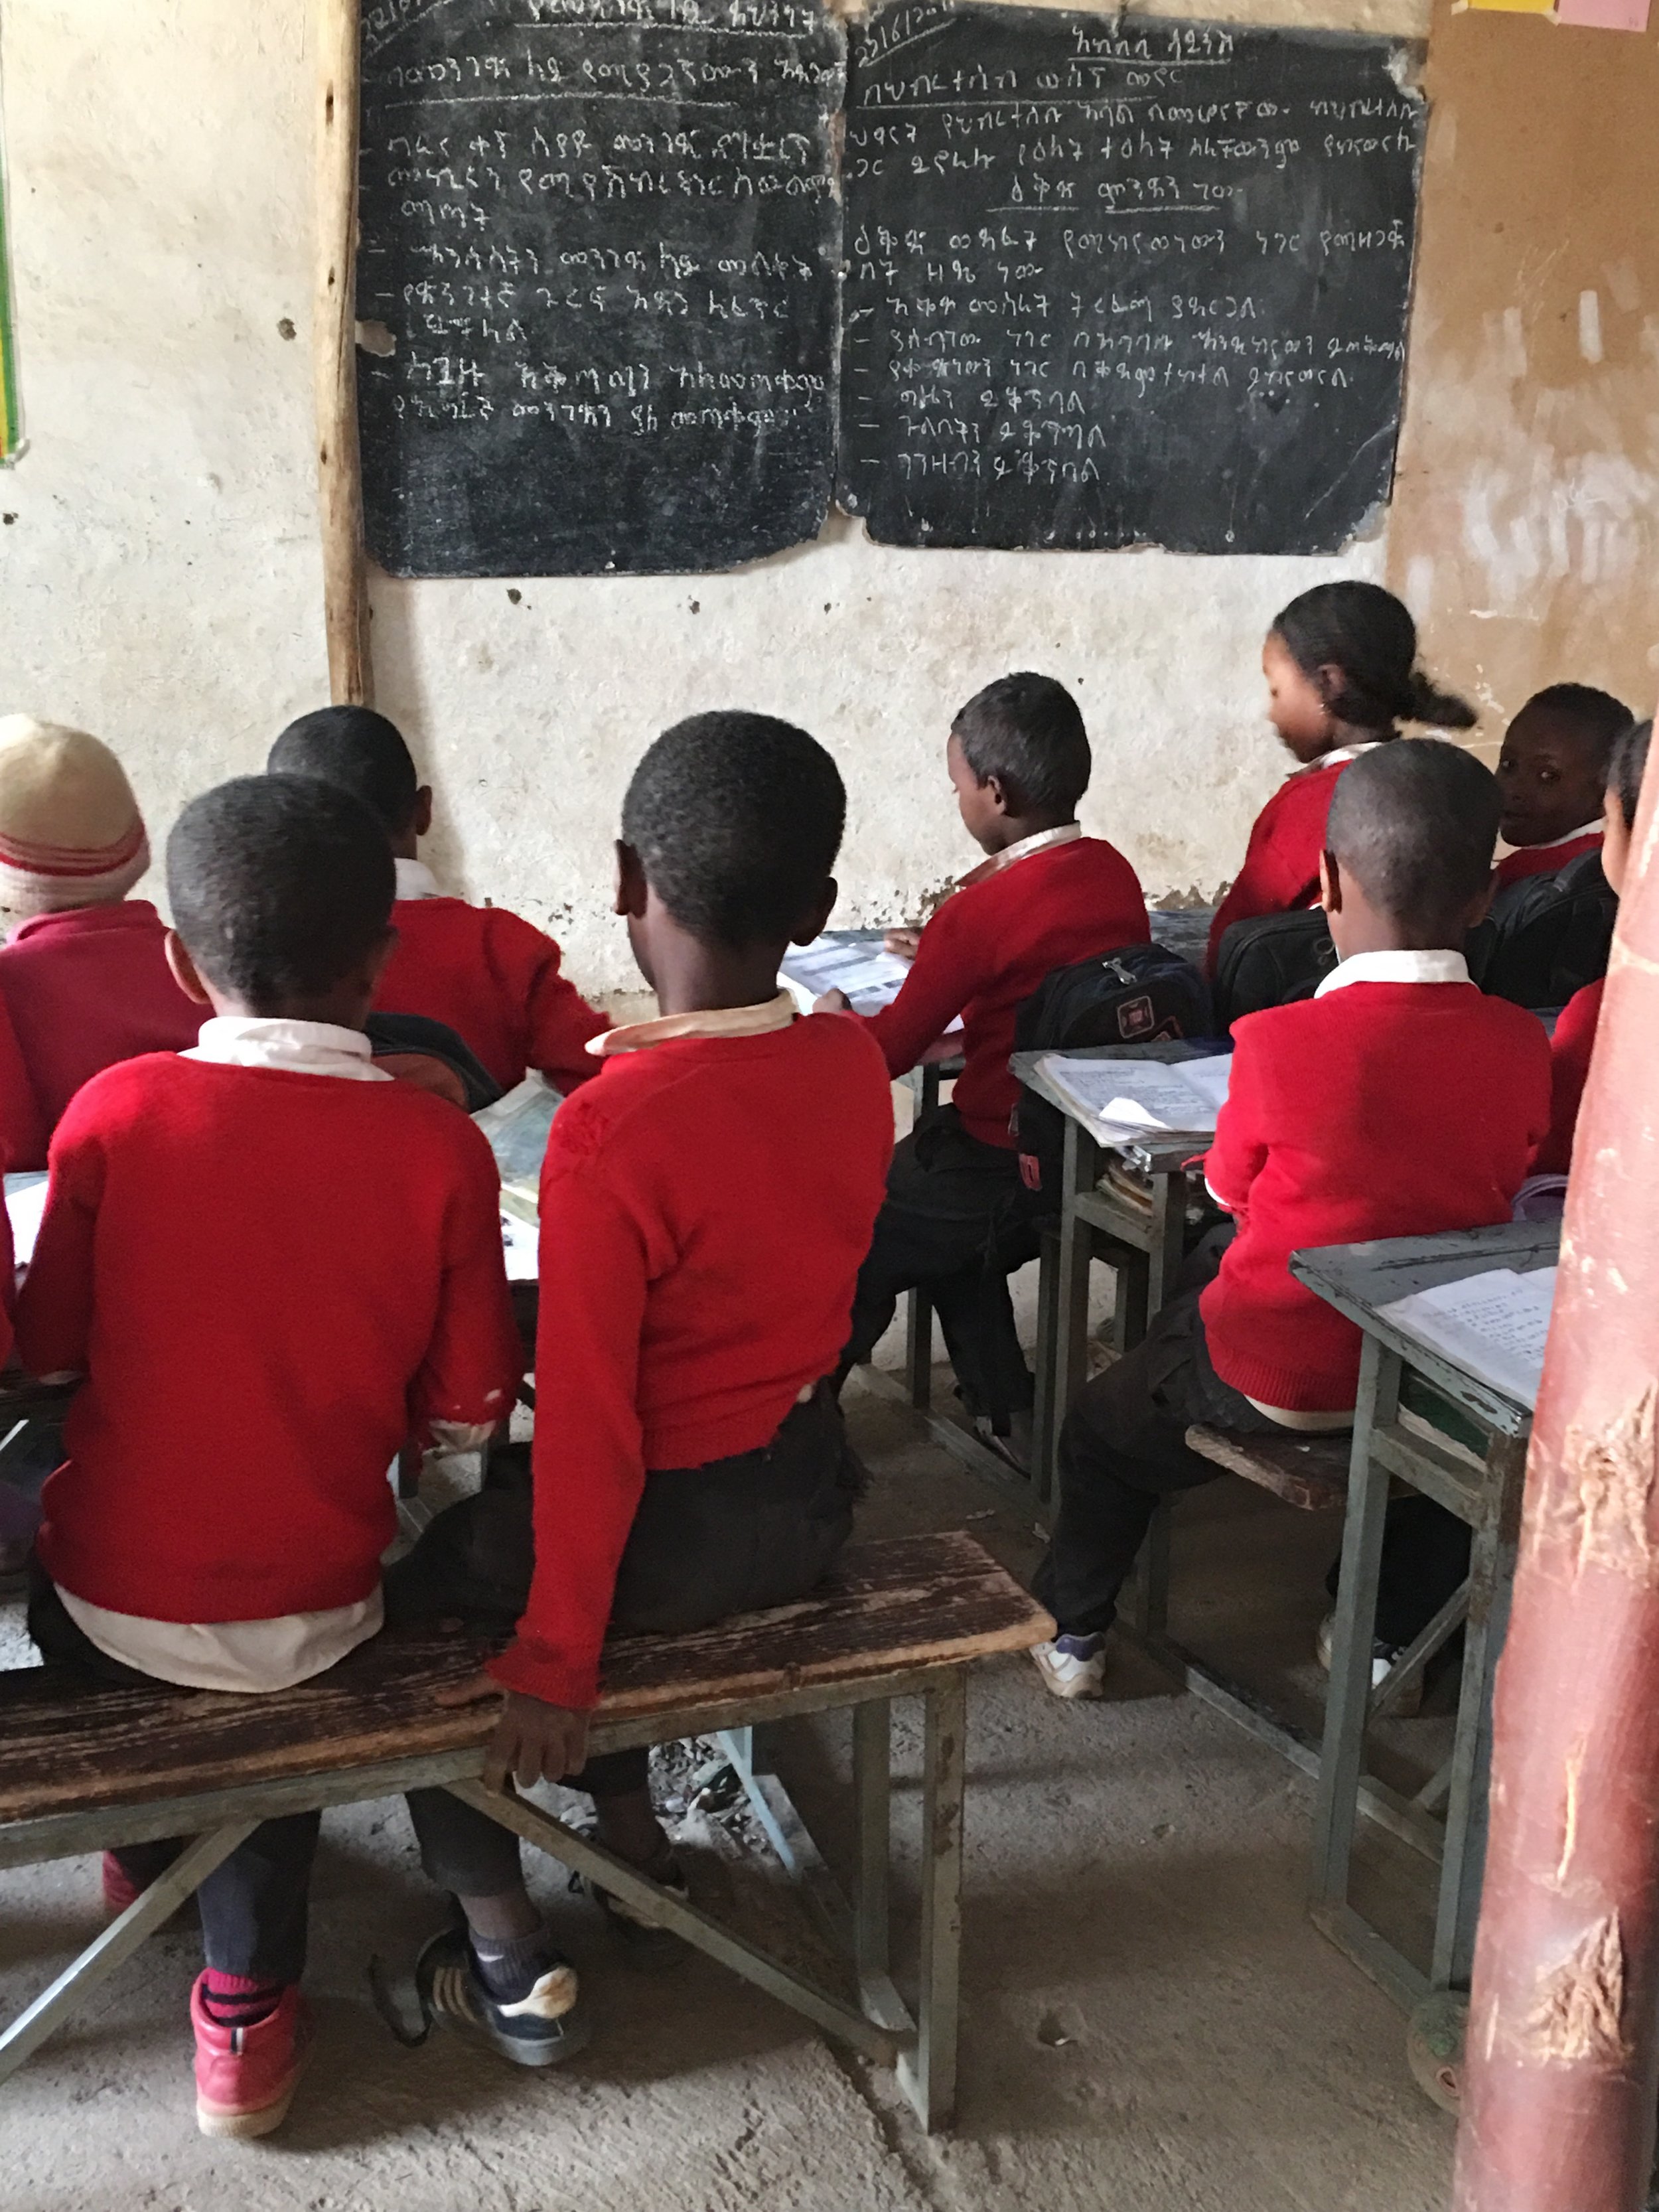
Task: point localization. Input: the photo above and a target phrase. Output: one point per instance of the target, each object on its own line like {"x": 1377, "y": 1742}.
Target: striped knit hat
{"x": 71, "y": 831}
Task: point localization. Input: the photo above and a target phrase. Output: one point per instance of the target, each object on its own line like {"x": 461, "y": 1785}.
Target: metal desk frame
{"x": 1358, "y": 1278}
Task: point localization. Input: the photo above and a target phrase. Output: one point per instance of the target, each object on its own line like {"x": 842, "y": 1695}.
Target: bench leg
{"x": 929, "y": 2078}
{"x": 118, "y": 1943}
{"x": 872, "y": 1814}
{"x": 919, "y": 1347}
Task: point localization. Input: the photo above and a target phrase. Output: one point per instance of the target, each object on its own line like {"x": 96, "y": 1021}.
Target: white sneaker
{"x": 1405, "y": 1707}
{"x": 1072, "y": 1666}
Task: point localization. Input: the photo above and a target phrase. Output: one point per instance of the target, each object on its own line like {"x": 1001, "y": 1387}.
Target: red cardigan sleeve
{"x": 1570, "y": 1059}
{"x": 54, "y": 1307}
{"x": 588, "y": 1454}
{"x": 1236, "y": 1159}
{"x": 1281, "y": 860}
{"x": 557, "y": 1020}
{"x": 932, "y": 995}
{"x": 470, "y": 1372}
{"x": 23, "y": 1125}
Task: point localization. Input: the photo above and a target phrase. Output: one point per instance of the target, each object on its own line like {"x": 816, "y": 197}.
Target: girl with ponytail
{"x": 1341, "y": 664}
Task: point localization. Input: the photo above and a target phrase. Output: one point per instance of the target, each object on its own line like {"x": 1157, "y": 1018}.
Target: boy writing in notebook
{"x": 705, "y": 1202}
{"x": 1045, "y": 896}
{"x": 267, "y": 1258}
{"x": 1398, "y": 1101}
{"x": 492, "y": 977}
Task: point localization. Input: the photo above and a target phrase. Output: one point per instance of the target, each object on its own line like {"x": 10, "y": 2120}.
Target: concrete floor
{"x": 1150, "y": 2023}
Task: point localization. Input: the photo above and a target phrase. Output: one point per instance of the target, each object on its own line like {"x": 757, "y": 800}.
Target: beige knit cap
{"x": 71, "y": 831}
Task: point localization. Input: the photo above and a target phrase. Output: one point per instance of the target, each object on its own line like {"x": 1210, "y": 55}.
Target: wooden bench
{"x": 85, "y": 1769}
{"x": 1306, "y": 1470}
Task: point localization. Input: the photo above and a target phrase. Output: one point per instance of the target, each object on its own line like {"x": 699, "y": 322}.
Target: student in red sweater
{"x": 1575, "y": 1032}
{"x": 1341, "y": 664}
{"x": 1398, "y": 1101}
{"x": 955, "y": 1218}
{"x": 704, "y": 1203}
{"x": 267, "y": 1258}
{"x": 495, "y": 979}
{"x": 1553, "y": 774}
{"x": 83, "y": 975}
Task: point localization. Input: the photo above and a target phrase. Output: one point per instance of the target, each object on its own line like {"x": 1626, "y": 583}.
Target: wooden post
{"x": 1561, "y": 2057}
{"x": 334, "y": 356}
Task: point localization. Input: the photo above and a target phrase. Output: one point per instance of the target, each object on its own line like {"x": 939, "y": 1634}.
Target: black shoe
{"x": 543, "y": 2028}
{"x": 646, "y": 1943}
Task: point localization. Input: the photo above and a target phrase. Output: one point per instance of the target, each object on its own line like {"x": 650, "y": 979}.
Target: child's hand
{"x": 533, "y": 1741}
{"x": 902, "y": 941}
{"x": 833, "y": 1002}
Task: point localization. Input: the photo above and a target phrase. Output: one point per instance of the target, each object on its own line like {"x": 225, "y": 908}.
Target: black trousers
{"x": 957, "y": 1222}
{"x": 736, "y": 1535}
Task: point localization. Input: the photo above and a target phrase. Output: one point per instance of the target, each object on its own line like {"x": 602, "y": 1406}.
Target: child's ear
{"x": 631, "y": 888}
{"x": 184, "y": 969}
{"x": 997, "y": 791}
{"x": 423, "y": 821}
{"x": 1330, "y": 882}
{"x": 815, "y": 919}
{"x": 1480, "y": 907}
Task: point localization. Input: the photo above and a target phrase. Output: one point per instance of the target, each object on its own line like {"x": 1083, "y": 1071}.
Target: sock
{"x": 510, "y": 1967}
{"x": 237, "y": 2000}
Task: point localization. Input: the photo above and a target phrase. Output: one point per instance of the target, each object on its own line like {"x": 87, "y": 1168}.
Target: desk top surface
{"x": 1358, "y": 1278}
{"x": 1166, "y": 1152}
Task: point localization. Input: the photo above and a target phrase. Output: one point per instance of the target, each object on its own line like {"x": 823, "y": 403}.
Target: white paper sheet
{"x": 1125, "y": 1098}
{"x": 872, "y": 978}
{"x": 1491, "y": 1325}
{"x": 519, "y": 1245}
{"x": 26, "y": 1201}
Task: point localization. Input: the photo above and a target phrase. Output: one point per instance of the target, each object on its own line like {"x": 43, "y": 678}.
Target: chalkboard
{"x": 604, "y": 240}
{"x": 1112, "y": 281}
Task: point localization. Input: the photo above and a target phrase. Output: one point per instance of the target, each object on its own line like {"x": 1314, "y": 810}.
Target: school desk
{"x": 1481, "y": 1484}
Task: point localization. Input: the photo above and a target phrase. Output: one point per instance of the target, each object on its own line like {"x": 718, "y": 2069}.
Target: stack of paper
{"x": 26, "y": 1201}
{"x": 871, "y": 978}
{"x": 1492, "y": 1326}
{"x": 1122, "y": 1099}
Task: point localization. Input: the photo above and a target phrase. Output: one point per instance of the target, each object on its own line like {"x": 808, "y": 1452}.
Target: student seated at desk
{"x": 1553, "y": 772}
{"x": 1397, "y": 1101}
{"x": 83, "y": 975}
{"x": 1340, "y": 663}
{"x": 1018, "y": 759}
{"x": 494, "y": 978}
{"x": 704, "y": 1203}
{"x": 269, "y": 1261}
{"x": 1575, "y": 1032}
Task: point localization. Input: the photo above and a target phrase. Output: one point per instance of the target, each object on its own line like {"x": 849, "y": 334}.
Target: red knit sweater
{"x": 1570, "y": 1059}
{"x": 1281, "y": 860}
{"x": 84, "y": 989}
{"x": 495, "y": 980}
{"x": 1381, "y": 1109}
{"x": 1545, "y": 860}
{"x": 269, "y": 1279}
{"x": 989, "y": 946}
{"x": 705, "y": 1209}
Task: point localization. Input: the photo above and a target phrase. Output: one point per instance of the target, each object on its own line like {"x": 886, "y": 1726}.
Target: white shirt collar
{"x": 1585, "y": 829}
{"x": 719, "y": 1022}
{"x": 1041, "y": 842}
{"x": 1346, "y": 753}
{"x": 297, "y": 1048}
{"x": 1438, "y": 967}
{"x": 416, "y": 880}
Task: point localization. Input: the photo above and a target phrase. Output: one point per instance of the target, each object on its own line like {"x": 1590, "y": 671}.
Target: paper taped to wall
{"x": 1120, "y": 1099}
{"x": 1493, "y": 1326}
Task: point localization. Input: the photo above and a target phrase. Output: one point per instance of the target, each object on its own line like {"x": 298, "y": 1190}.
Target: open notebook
{"x": 1493, "y": 1326}
{"x": 1122, "y": 1099}
{"x": 871, "y": 978}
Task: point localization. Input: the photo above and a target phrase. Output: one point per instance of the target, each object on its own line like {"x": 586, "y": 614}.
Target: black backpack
{"x": 1138, "y": 994}
{"x": 1546, "y": 936}
{"x": 1268, "y": 959}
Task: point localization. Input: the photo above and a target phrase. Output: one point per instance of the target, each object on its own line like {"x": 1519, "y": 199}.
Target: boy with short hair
{"x": 704, "y": 1203}
{"x": 84, "y": 974}
{"x": 955, "y": 1220}
{"x": 1398, "y": 1101}
{"x": 1553, "y": 774}
{"x": 268, "y": 1259}
{"x": 493, "y": 977}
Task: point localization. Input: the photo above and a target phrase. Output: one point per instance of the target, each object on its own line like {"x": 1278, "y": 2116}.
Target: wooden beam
{"x": 334, "y": 356}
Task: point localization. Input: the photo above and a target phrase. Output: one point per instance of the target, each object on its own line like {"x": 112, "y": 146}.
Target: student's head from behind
{"x": 282, "y": 889}
{"x": 1626, "y": 769}
{"x": 730, "y": 829}
{"x": 1552, "y": 770}
{"x": 364, "y": 753}
{"x": 1341, "y": 664}
{"x": 1408, "y": 848}
{"x": 71, "y": 831}
{"x": 1019, "y": 758}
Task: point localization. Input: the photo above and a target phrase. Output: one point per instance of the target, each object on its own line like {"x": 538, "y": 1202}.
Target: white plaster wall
{"x": 159, "y": 579}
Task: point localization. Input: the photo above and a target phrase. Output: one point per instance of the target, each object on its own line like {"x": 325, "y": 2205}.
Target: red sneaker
{"x": 246, "y": 2076}
{"x": 120, "y": 1888}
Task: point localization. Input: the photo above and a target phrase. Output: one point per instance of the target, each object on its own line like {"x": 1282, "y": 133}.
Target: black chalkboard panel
{"x": 604, "y": 236}
{"x": 1112, "y": 281}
